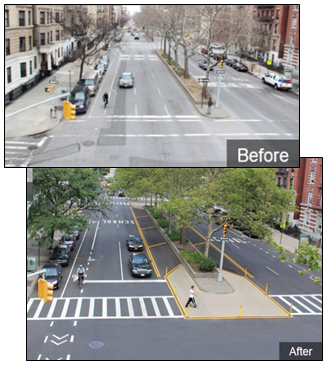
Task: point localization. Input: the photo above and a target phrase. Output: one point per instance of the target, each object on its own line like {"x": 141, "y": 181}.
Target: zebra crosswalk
{"x": 302, "y": 304}
{"x": 105, "y": 307}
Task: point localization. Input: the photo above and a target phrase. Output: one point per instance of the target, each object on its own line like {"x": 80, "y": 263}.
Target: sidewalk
{"x": 38, "y": 119}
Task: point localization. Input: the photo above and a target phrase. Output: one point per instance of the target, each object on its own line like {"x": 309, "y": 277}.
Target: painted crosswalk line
{"x": 302, "y": 304}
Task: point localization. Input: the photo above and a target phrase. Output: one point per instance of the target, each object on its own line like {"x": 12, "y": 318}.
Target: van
{"x": 90, "y": 79}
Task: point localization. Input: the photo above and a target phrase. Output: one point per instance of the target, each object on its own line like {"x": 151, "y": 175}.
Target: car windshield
{"x": 69, "y": 238}
{"x": 135, "y": 240}
{"x": 77, "y": 96}
{"x": 51, "y": 271}
{"x": 87, "y": 82}
{"x": 59, "y": 250}
{"x": 140, "y": 260}
{"x": 126, "y": 76}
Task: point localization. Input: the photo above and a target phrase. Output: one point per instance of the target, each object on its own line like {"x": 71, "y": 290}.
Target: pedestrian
{"x": 210, "y": 103}
{"x": 192, "y": 298}
{"x": 105, "y": 98}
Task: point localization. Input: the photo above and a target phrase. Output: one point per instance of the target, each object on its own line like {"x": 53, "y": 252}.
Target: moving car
{"x": 134, "y": 243}
{"x": 68, "y": 240}
{"x": 104, "y": 61}
{"x": 60, "y": 255}
{"x": 80, "y": 97}
{"x": 126, "y": 80}
{"x": 204, "y": 65}
{"x": 278, "y": 81}
{"x": 53, "y": 274}
{"x": 240, "y": 67}
{"x": 139, "y": 264}
{"x": 90, "y": 79}
{"x": 231, "y": 61}
{"x": 136, "y": 36}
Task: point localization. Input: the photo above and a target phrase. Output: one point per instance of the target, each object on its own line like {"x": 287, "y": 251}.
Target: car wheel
{"x": 263, "y": 80}
{"x": 276, "y": 86}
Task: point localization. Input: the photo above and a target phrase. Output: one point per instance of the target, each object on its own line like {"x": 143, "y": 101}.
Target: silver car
{"x": 126, "y": 80}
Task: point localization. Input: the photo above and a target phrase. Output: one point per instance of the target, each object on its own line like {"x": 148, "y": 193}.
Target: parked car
{"x": 53, "y": 274}
{"x": 104, "y": 61}
{"x": 68, "y": 240}
{"x": 136, "y": 36}
{"x": 101, "y": 66}
{"x": 121, "y": 194}
{"x": 250, "y": 234}
{"x": 240, "y": 67}
{"x": 101, "y": 74}
{"x": 134, "y": 243}
{"x": 76, "y": 233}
{"x": 217, "y": 56}
{"x": 204, "y": 50}
{"x": 126, "y": 80}
{"x": 204, "y": 65}
{"x": 80, "y": 97}
{"x": 139, "y": 264}
{"x": 60, "y": 255}
{"x": 231, "y": 61}
{"x": 105, "y": 57}
{"x": 277, "y": 81}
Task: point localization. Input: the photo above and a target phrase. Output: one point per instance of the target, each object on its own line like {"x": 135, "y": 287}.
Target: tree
{"x": 91, "y": 33}
{"x": 60, "y": 195}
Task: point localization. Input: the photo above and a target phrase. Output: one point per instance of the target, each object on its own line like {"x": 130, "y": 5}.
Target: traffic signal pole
{"x": 220, "y": 278}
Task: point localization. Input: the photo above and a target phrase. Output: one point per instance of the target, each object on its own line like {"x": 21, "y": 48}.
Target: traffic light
{"x": 41, "y": 288}
{"x": 48, "y": 292}
{"x": 49, "y": 89}
{"x": 45, "y": 291}
{"x": 69, "y": 110}
{"x": 225, "y": 229}
{"x": 221, "y": 64}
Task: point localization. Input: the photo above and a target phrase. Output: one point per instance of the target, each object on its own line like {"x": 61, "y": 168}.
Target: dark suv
{"x": 60, "y": 255}
{"x": 139, "y": 264}
{"x": 80, "y": 97}
{"x": 53, "y": 274}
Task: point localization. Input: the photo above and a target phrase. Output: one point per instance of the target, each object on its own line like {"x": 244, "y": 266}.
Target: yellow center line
{"x": 197, "y": 244}
{"x": 146, "y": 246}
{"x": 158, "y": 244}
{"x": 148, "y": 227}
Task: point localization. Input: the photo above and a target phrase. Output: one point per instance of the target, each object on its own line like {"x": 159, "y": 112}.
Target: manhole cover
{"x": 96, "y": 344}
{"x": 88, "y": 143}
{"x": 32, "y": 148}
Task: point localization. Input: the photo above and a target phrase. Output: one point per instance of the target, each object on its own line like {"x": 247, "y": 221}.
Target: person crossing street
{"x": 105, "y": 99}
{"x": 192, "y": 298}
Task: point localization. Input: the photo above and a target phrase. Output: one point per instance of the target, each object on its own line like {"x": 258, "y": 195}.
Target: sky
{"x": 133, "y": 8}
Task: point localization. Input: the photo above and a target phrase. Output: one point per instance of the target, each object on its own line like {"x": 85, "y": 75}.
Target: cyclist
{"x": 105, "y": 98}
{"x": 81, "y": 272}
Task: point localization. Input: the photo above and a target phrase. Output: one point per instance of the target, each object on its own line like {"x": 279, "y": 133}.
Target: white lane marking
{"x": 272, "y": 270}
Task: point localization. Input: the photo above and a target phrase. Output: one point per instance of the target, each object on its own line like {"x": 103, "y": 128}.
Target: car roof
{"x": 139, "y": 254}
{"x": 126, "y": 73}
{"x": 79, "y": 88}
{"x": 52, "y": 264}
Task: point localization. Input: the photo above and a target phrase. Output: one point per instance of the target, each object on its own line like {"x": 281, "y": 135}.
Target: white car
{"x": 277, "y": 81}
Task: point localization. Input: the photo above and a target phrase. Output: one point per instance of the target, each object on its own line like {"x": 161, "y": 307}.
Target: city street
{"x": 154, "y": 123}
{"x": 115, "y": 314}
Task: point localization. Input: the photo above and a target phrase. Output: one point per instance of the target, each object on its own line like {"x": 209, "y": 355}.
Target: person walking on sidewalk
{"x": 210, "y": 103}
{"x": 192, "y": 298}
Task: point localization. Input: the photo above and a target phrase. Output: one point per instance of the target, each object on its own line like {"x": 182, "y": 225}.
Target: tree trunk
{"x": 164, "y": 50}
{"x": 208, "y": 237}
{"x": 182, "y": 236}
{"x": 176, "y": 59}
{"x": 186, "y": 71}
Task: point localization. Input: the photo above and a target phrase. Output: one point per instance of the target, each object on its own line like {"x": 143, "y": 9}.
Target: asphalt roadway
{"x": 130, "y": 330}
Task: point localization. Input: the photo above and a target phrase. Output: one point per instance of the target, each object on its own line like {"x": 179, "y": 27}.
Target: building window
{"x": 57, "y": 35}
{"x": 35, "y": 62}
{"x": 307, "y": 218}
{"x": 314, "y": 159}
{"x": 312, "y": 176}
{"x": 30, "y": 42}
{"x": 57, "y": 17}
{"x": 7, "y": 47}
{"x": 310, "y": 197}
{"x": 294, "y": 23}
{"x": 278, "y": 13}
{"x": 51, "y": 36}
{"x": 48, "y": 38}
{"x": 279, "y": 181}
{"x": 276, "y": 28}
{"x": 42, "y": 17}
{"x": 31, "y": 67}
{"x": 21, "y": 18}
{"x": 319, "y": 222}
{"x": 23, "y": 71}
{"x": 42, "y": 39}
{"x": 22, "y": 45}
{"x": 29, "y": 18}
{"x": 8, "y": 75}
{"x": 6, "y": 18}
{"x": 292, "y": 40}
{"x": 291, "y": 182}
{"x": 274, "y": 45}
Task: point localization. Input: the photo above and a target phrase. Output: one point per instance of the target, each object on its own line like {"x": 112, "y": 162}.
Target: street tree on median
{"x": 61, "y": 197}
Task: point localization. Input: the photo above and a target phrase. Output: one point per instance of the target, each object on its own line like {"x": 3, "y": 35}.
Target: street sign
{"x": 203, "y": 80}
{"x": 220, "y": 71}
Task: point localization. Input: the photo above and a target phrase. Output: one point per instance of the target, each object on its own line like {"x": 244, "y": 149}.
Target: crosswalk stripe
{"x": 94, "y": 302}
{"x": 294, "y": 298}
{"x": 314, "y": 305}
{"x": 303, "y": 305}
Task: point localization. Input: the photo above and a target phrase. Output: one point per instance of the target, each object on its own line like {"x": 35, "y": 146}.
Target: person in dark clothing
{"x": 105, "y": 98}
{"x": 191, "y": 298}
{"x": 210, "y": 103}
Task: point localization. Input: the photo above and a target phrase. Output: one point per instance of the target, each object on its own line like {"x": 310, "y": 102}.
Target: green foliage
{"x": 163, "y": 223}
{"x": 174, "y": 235}
{"x": 205, "y": 264}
